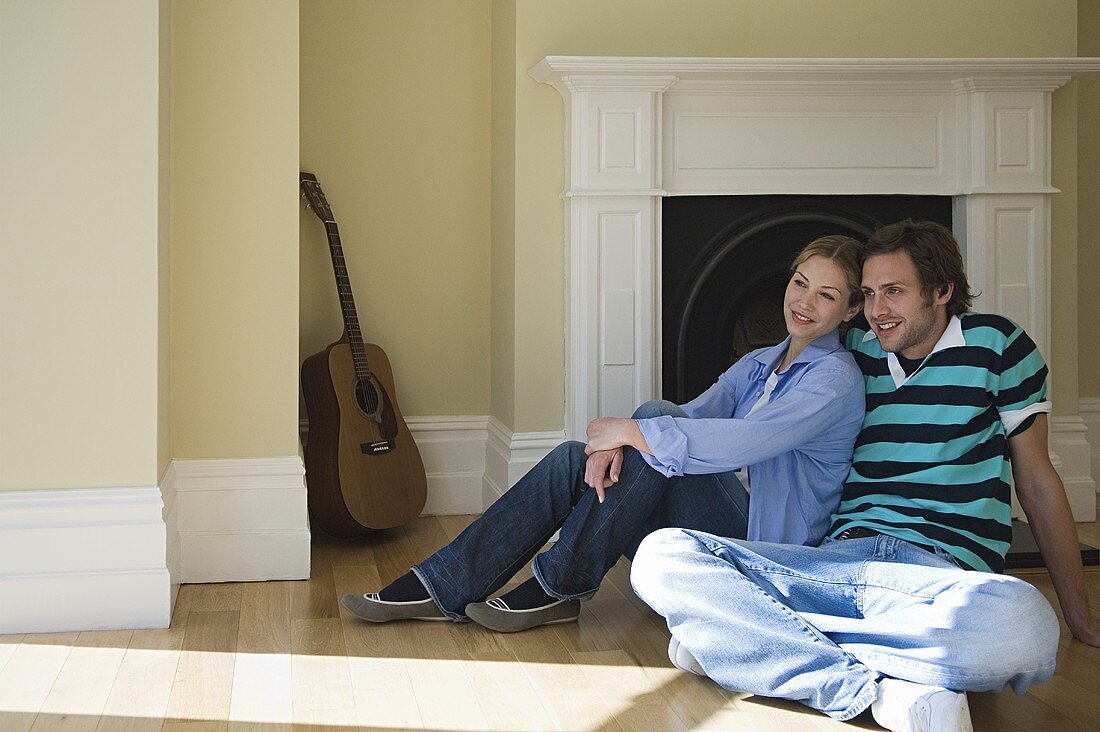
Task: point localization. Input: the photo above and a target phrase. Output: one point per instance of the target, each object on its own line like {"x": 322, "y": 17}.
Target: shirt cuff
{"x": 667, "y": 443}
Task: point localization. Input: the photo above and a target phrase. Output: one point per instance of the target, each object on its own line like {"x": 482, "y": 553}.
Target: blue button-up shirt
{"x": 797, "y": 447}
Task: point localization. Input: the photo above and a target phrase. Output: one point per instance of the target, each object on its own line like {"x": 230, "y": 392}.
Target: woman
{"x": 789, "y": 414}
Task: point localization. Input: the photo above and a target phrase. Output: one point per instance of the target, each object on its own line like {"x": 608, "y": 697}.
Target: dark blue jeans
{"x": 552, "y": 496}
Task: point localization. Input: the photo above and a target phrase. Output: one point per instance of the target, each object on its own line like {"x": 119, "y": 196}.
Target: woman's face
{"x": 816, "y": 300}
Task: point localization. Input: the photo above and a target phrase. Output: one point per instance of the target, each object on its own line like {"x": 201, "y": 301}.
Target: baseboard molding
{"x": 1072, "y": 458}
{"x": 453, "y": 451}
{"x": 471, "y": 460}
{"x": 240, "y": 520}
{"x": 104, "y": 547}
{"x": 509, "y": 455}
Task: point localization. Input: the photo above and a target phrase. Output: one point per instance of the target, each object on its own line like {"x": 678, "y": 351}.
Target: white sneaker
{"x": 905, "y": 706}
{"x": 682, "y": 659}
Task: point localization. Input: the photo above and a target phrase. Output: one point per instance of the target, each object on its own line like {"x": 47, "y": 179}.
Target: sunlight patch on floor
{"x": 65, "y": 681}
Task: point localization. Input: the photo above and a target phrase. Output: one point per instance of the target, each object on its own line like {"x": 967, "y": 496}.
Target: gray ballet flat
{"x": 371, "y": 608}
{"x": 495, "y": 614}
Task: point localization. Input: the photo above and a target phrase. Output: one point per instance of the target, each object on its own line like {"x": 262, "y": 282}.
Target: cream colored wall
{"x": 774, "y": 28}
{"x": 395, "y": 123}
{"x": 1088, "y": 198}
{"x": 1063, "y": 356}
{"x": 503, "y": 285}
{"x": 234, "y": 228}
{"x": 78, "y": 228}
{"x": 164, "y": 251}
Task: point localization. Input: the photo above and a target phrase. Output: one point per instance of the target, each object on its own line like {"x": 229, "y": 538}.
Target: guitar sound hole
{"x": 366, "y": 394}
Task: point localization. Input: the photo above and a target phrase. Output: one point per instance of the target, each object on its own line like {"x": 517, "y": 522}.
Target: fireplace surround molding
{"x": 640, "y": 129}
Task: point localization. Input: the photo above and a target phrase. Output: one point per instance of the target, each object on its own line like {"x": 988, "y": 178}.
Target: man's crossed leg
{"x": 825, "y": 625}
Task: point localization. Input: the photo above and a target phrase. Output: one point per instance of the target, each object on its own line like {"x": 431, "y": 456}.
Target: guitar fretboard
{"x": 347, "y": 301}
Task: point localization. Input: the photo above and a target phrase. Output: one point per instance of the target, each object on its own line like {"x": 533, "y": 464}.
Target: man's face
{"x": 907, "y": 320}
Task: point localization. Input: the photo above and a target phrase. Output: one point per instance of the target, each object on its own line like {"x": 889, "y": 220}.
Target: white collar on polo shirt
{"x": 952, "y": 337}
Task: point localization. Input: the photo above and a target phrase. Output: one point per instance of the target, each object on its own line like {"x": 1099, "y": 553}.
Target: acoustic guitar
{"x": 363, "y": 470}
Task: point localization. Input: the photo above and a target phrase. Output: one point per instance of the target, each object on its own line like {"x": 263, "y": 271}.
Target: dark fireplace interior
{"x": 725, "y": 263}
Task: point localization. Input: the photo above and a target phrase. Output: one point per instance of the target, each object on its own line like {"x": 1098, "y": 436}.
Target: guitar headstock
{"x": 315, "y": 197}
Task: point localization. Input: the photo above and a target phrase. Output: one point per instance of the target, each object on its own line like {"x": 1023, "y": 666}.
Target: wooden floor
{"x": 283, "y": 655}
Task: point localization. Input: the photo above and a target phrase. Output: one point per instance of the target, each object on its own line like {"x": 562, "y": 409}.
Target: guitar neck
{"x": 347, "y": 301}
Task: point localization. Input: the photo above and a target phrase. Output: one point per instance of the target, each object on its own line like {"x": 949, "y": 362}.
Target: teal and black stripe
{"x": 931, "y": 461}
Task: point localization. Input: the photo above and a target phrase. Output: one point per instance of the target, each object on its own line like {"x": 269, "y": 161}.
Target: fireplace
{"x": 641, "y": 132}
{"x": 724, "y": 268}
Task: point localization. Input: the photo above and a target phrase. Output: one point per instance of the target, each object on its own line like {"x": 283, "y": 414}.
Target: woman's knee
{"x": 658, "y": 408}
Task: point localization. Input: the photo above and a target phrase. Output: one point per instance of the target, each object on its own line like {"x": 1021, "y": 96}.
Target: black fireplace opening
{"x": 725, "y": 263}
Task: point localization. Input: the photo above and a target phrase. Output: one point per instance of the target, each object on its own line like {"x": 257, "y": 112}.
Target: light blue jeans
{"x": 821, "y": 625}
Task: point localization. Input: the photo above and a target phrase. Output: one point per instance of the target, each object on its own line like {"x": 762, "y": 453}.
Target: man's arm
{"x": 1043, "y": 498}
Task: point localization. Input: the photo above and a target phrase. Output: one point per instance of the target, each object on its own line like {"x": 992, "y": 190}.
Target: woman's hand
{"x": 608, "y": 433}
{"x": 601, "y": 471}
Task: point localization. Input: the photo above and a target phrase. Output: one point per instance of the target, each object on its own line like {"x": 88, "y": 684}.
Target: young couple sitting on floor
{"x": 865, "y": 569}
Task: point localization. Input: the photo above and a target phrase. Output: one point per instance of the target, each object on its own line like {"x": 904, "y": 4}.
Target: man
{"x": 900, "y": 609}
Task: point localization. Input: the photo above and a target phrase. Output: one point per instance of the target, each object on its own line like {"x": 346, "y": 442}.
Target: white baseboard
{"x": 83, "y": 559}
{"x": 1072, "y": 459}
{"x": 453, "y": 451}
{"x": 508, "y": 456}
{"x": 240, "y": 520}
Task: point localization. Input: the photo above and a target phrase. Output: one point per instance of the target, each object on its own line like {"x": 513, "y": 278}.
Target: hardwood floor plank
{"x": 263, "y": 690}
{"x": 203, "y": 684}
{"x": 1071, "y": 699}
{"x": 445, "y": 694}
{"x": 28, "y": 676}
{"x": 8, "y": 644}
{"x": 265, "y": 618}
{"x": 143, "y": 686}
{"x": 322, "y": 693}
{"x": 629, "y": 690}
{"x": 384, "y": 695}
{"x": 79, "y": 693}
{"x": 565, "y": 692}
{"x": 216, "y": 597}
{"x": 506, "y": 695}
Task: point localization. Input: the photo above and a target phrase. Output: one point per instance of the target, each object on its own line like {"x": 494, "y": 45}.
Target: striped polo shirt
{"x": 931, "y": 462}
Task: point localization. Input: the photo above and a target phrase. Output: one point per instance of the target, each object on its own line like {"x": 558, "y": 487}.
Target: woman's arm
{"x": 825, "y": 398}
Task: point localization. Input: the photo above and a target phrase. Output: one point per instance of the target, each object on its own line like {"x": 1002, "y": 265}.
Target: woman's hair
{"x": 846, "y": 253}
{"x": 935, "y": 254}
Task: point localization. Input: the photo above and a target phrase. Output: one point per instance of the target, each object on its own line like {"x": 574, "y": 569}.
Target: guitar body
{"x": 358, "y": 479}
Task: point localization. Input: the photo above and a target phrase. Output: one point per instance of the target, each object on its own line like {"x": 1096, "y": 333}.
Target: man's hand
{"x": 601, "y": 471}
{"x": 608, "y": 433}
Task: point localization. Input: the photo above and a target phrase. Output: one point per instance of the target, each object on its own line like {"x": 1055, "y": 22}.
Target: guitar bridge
{"x": 379, "y": 447}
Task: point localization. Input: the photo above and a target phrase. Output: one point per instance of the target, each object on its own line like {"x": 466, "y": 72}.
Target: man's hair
{"x": 846, "y": 253}
{"x": 935, "y": 254}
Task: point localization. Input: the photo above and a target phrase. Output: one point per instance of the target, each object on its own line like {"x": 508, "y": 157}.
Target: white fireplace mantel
{"x": 640, "y": 129}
